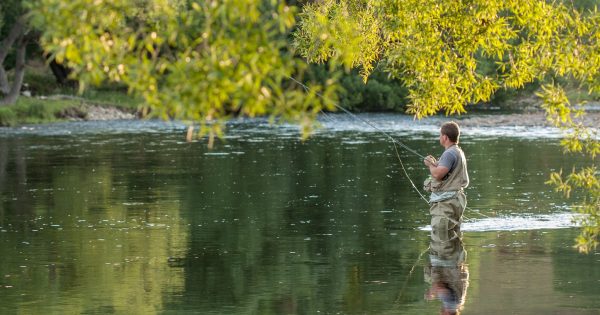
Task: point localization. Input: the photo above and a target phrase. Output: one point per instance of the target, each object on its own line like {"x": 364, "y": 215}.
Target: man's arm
{"x": 437, "y": 171}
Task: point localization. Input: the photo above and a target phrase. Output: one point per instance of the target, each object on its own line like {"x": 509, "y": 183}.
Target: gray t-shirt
{"x": 449, "y": 159}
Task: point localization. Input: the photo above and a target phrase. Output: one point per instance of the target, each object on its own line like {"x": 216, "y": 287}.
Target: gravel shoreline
{"x": 533, "y": 119}
{"x": 108, "y": 113}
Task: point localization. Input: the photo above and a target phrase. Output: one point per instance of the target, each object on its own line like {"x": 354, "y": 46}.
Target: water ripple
{"x": 553, "y": 221}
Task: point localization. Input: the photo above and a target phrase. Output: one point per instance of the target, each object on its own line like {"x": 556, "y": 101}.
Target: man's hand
{"x": 430, "y": 161}
{"x": 438, "y": 172}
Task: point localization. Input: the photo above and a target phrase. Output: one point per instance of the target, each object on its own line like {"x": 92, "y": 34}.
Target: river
{"x": 125, "y": 217}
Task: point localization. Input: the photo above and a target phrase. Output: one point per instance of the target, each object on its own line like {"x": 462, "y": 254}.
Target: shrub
{"x": 378, "y": 94}
{"x": 7, "y": 116}
{"x": 37, "y": 111}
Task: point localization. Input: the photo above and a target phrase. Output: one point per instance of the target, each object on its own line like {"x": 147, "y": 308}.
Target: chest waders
{"x": 448, "y": 200}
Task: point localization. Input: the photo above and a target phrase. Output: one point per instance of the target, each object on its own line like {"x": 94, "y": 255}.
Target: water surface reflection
{"x": 143, "y": 222}
{"x": 447, "y": 272}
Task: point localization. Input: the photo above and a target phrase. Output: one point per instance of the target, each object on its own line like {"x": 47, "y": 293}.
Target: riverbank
{"x": 32, "y": 110}
{"x": 100, "y": 106}
{"x": 533, "y": 119}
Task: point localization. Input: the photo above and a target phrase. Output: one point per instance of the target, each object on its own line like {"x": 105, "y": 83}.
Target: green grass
{"x": 30, "y": 110}
{"x": 7, "y": 116}
{"x": 35, "y": 110}
{"x": 51, "y": 102}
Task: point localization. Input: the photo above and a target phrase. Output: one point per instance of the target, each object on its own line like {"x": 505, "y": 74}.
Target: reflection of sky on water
{"x": 94, "y": 127}
{"x": 394, "y": 124}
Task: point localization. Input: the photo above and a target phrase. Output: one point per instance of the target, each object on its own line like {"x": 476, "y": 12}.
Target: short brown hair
{"x": 451, "y": 130}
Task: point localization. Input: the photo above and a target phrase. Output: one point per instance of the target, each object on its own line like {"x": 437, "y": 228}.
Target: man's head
{"x": 451, "y": 131}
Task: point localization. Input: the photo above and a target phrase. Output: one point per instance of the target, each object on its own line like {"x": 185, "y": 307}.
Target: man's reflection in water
{"x": 447, "y": 271}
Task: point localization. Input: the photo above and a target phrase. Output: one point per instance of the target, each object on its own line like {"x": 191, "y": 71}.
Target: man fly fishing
{"x": 448, "y": 180}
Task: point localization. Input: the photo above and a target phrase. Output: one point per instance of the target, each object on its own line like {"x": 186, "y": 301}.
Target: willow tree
{"x": 437, "y": 47}
{"x": 205, "y": 60}
{"x": 199, "y": 61}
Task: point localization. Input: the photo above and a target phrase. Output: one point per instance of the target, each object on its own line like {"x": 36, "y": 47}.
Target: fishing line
{"x": 394, "y": 142}
{"x": 364, "y": 121}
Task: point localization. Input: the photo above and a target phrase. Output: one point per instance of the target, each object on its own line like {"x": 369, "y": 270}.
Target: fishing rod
{"x": 394, "y": 141}
{"x": 364, "y": 121}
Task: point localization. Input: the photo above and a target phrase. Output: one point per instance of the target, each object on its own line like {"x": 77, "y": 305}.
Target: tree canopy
{"x": 437, "y": 48}
{"x": 193, "y": 60}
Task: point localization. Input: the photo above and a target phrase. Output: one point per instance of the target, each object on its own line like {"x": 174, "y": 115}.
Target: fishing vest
{"x": 456, "y": 179}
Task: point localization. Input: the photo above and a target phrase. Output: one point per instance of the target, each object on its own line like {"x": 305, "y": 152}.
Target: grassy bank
{"x": 50, "y": 101}
{"x": 35, "y": 110}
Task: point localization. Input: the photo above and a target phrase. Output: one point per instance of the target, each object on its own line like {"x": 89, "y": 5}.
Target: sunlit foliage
{"x": 436, "y": 49}
{"x": 579, "y": 139}
{"x": 202, "y": 61}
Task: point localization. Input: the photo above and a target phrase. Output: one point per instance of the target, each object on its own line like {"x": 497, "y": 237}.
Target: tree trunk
{"x": 15, "y": 89}
{"x": 17, "y": 31}
{"x": 4, "y": 87}
{"x": 61, "y": 73}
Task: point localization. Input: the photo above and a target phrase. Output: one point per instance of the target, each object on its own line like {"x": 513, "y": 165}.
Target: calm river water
{"x": 127, "y": 218}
